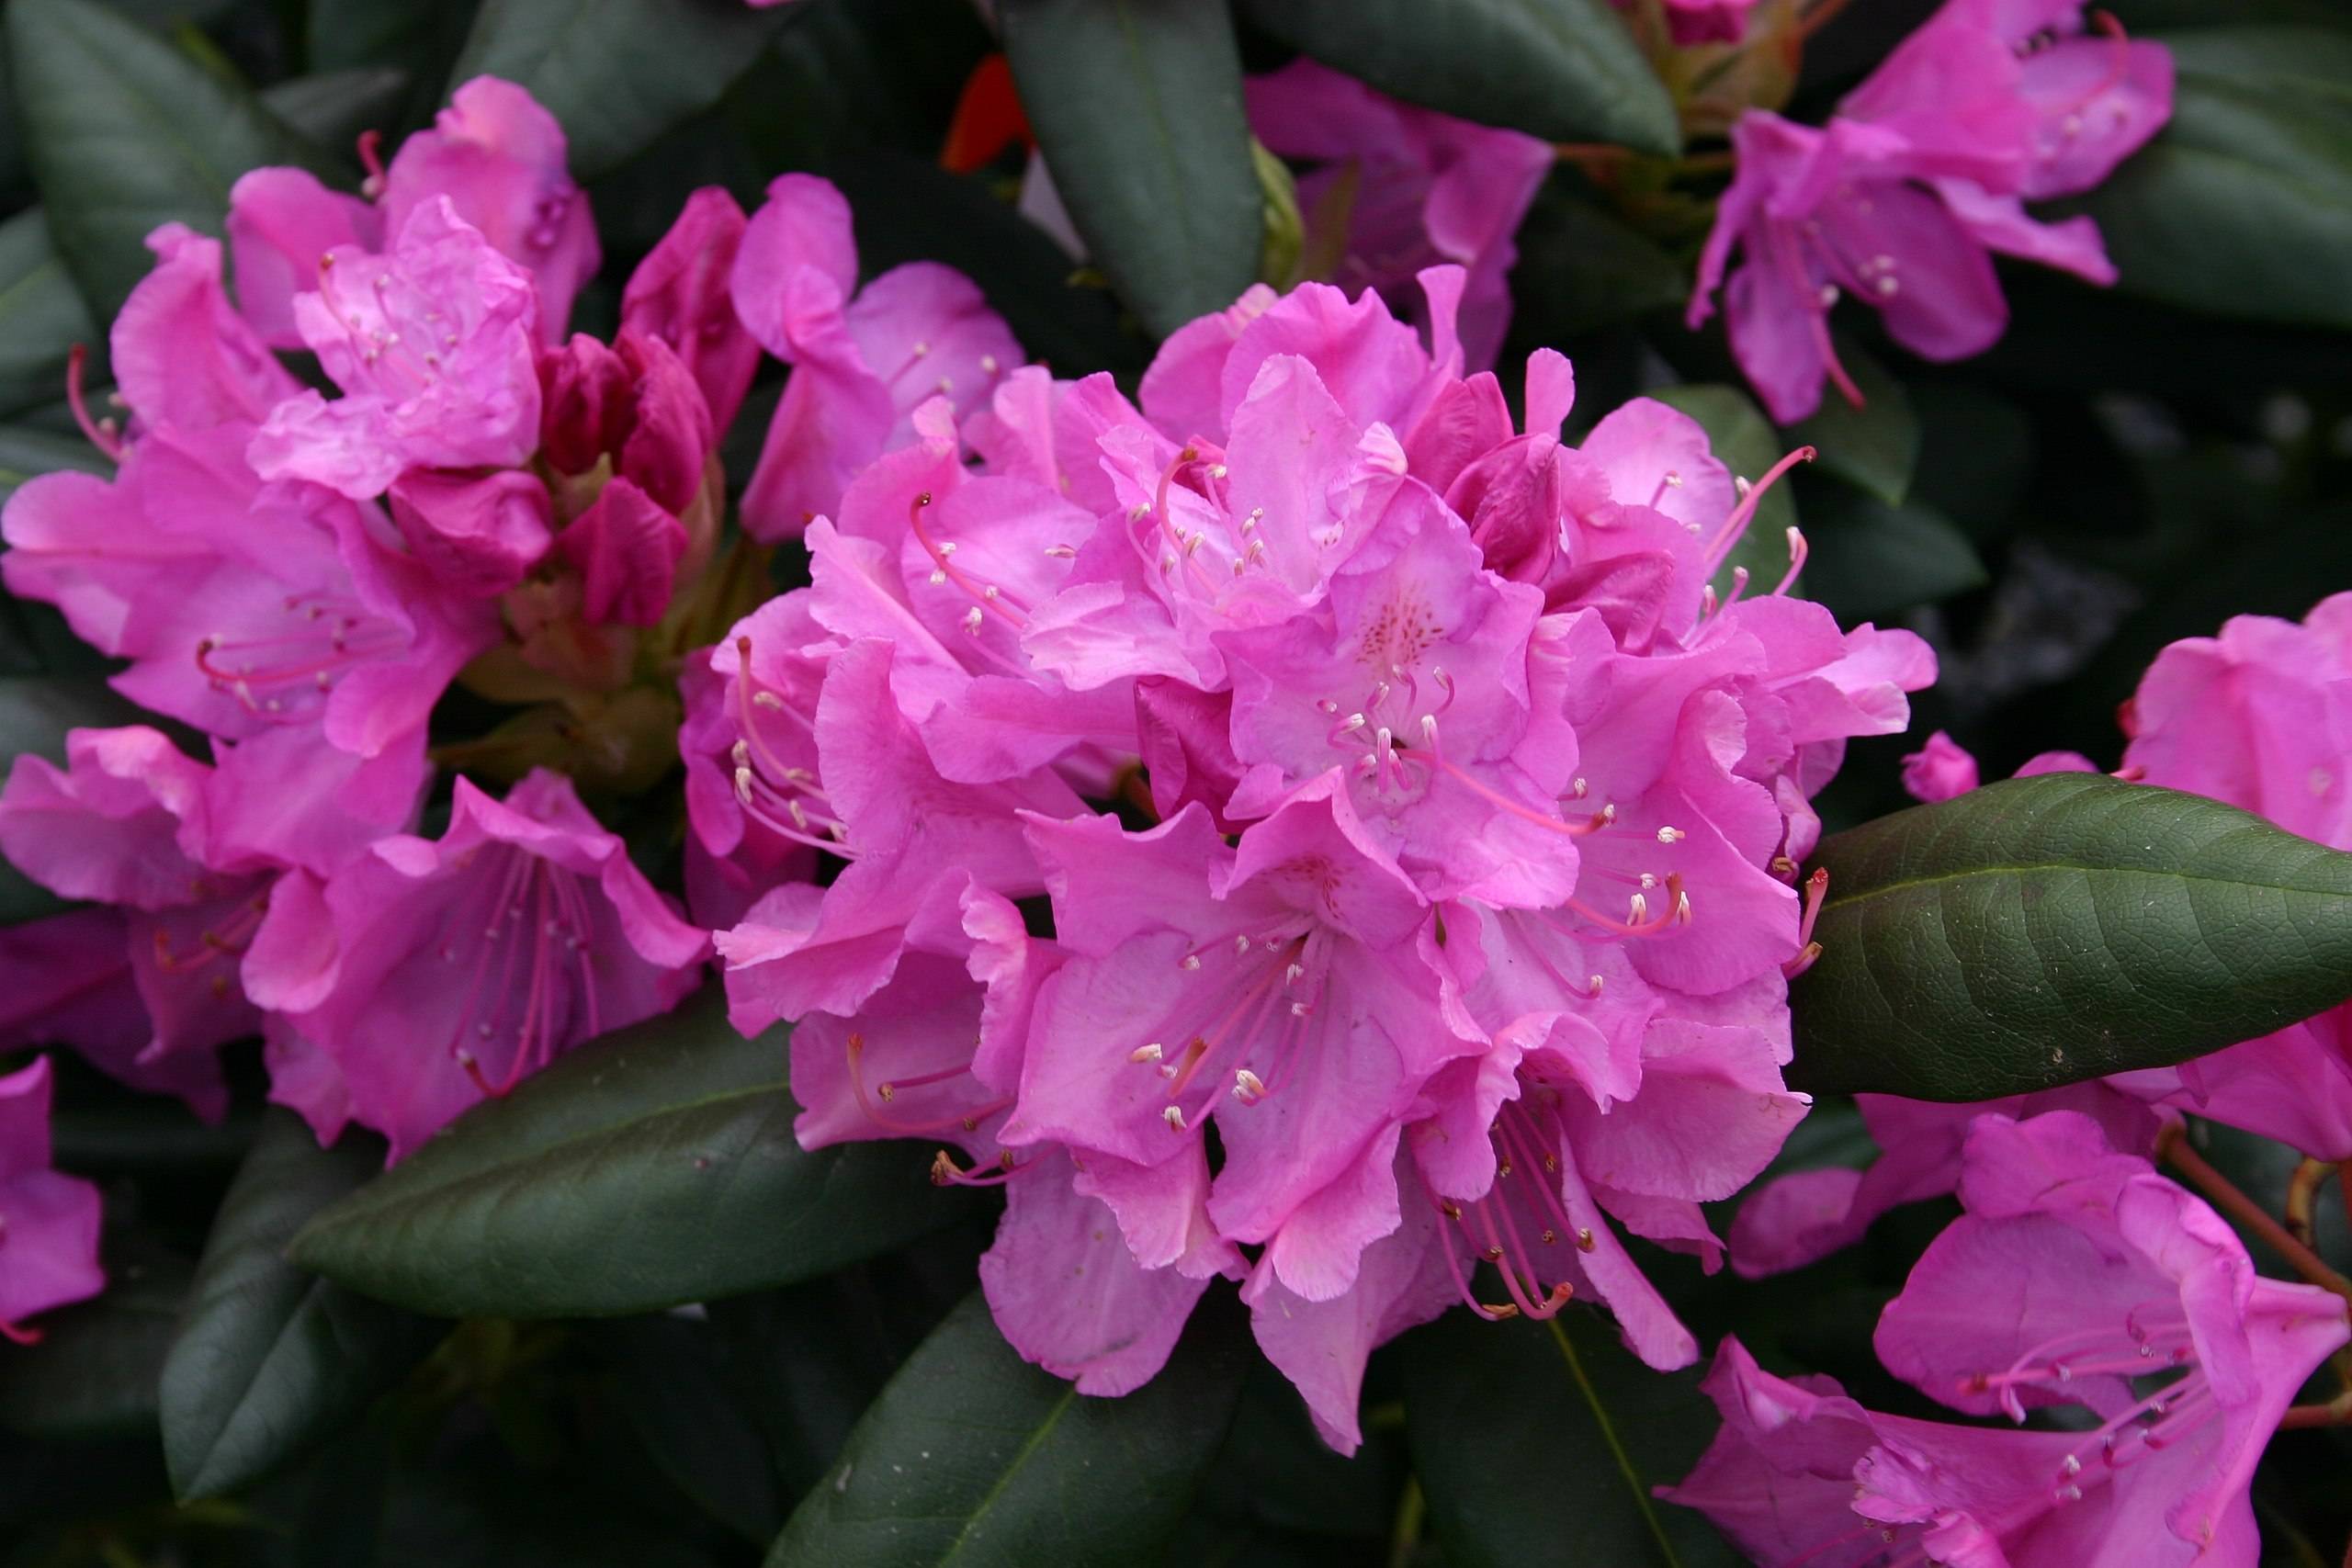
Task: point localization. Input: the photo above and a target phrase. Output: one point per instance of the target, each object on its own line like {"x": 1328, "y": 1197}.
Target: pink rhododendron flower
{"x": 1939, "y": 770}
{"x": 494, "y": 155}
{"x": 49, "y": 1222}
{"x": 1707, "y": 22}
{"x": 432, "y": 345}
{"x": 679, "y": 293}
{"x": 1398, "y": 188}
{"x": 68, "y": 981}
{"x": 1478, "y": 816}
{"x": 436, "y": 972}
{"x": 862, "y": 359}
{"x": 2078, "y": 1276}
{"x": 1903, "y": 198}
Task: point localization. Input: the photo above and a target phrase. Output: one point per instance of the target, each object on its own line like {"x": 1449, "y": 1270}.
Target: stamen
{"x": 101, "y": 432}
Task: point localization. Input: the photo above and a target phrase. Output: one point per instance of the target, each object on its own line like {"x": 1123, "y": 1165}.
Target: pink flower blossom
{"x": 1398, "y": 188}
{"x": 49, "y": 1222}
{"x": 68, "y": 981}
{"x": 1939, "y": 770}
{"x": 432, "y": 345}
{"x": 438, "y": 973}
{"x": 2078, "y": 1276}
{"x": 1707, "y": 22}
{"x": 1901, "y": 200}
{"x": 679, "y": 293}
{"x": 862, "y": 359}
{"x": 494, "y": 155}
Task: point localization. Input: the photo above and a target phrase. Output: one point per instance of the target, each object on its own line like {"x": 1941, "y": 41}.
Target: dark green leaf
{"x": 910, "y": 210}
{"x": 1870, "y": 560}
{"x": 94, "y": 1372}
{"x": 1748, "y": 444}
{"x": 1137, "y": 107}
{"x": 126, "y": 132}
{"x": 270, "y": 1358}
{"x": 25, "y": 453}
{"x": 335, "y": 106}
{"x": 972, "y": 1456}
{"x": 1526, "y": 1436}
{"x": 1580, "y": 267}
{"x": 617, "y": 73}
{"x": 2244, "y": 205}
{"x": 1564, "y": 70}
{"x": 671, "y": 1379}
{"x": 41, "y": 315}
{"x": 2041, "y": 931}
{"x": 653, "y": 1168}
{"x": 1873, "y": 447}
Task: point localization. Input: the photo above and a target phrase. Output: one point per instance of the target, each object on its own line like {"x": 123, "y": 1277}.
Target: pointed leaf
{"x": 1870, "y": 559}
{"x": 1872, "y": 447}
{"x": 125, "y": 132}
{"x": 41, "y": 315}
{"x": 2242, "y": 207}
{"x": 2041, "y": 931}
{"x": 973, "y": 1457}
{"x": 1137, "y": 109}
{"x": 1526, "y": 1435}
{"x": 270, "y": 1358}
{"x": 617, "y": 73}
{"x": 653, "y": 1168}
{"x": 1564, "y": 70}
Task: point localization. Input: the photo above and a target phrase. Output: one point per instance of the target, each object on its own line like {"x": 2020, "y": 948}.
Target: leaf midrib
{"x": 357, "y": 1210}
{"x": 1018, "y": 1462}
{"x": 1836, "y": 900}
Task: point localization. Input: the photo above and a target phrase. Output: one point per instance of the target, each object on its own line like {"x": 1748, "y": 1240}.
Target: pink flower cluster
{"x": 296, "y": 579}
{"x": 1297, "y": 826}
{"x": 2261, "y": 717}
{"x": 1903, "y": 198}
{"x": 2077, "y": 1277}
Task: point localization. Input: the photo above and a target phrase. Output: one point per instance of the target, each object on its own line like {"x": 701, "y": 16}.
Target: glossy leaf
{"x": 1564, "y": 70}
{"x": 41, "y": 315}
{"x": 2041, "y": 931}
{"x": 1137, "y": 109}
{"x": 1527, "y": 1434}
{"x": 270, "y": 1358}
{"x": 125, "y": 132}
{"x": 974, "y": 1456}
{"x": 670, "y": 1378}
{"x": 1580, "y": 267}
{"x": 1873, "y": 447}
{"x": 26, "y": 453}
{"x": 616, "y": 73}
{"x": 655, "y": 1167}
{"x": 2244, "y": 205}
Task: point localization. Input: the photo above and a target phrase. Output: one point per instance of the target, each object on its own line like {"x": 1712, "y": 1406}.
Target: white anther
{"x": 1191, "y": 961}
{"x": 1151, "y": 1053}
{"x": 1240, "y": 945}
{"x": 1578, "y": 789}
{"x": 1216, "y": 470}
{"x": 743, "y": 786}
{"x": 1741, "y": 486}
{"x": 988, "y": 592}
{"x": 1671, "y": 835}
{"x": 1298, "y": 1009}
{"x": 921, "y": 349}
{"x": 1596, "y": 984}
{"x": 938, "y": 576}
{"x": 1061, "y": 552}
{"x": 972, "y": 620}
{"x": 988, "y": 363}
{"x": 1429, "y": 730}
{"x": 1174, "y": 1117}
{"x": 947, "y": 549}
{"x": 2073, "y": 1465}
{"x": 1648, "y": 880}
{"x": 1638, "y": 909}
{"x": 1292, "y": 975}
{"x": 1888, "y": 285}
{"x": 1248, "y": 1088}
{"x": 768, "y": 700}
{"x": 1141, "y": 511}
{"x": 1674, "y": 479}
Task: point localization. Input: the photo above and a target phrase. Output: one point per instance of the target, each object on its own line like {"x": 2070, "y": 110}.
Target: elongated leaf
{"x": 653, "y": 1168}
{"x": 1870, "y": 560}
{"x": 94, "y": 1374}
{"x": 2041, "y": 931}
{"x": 1580, "y": 267}
{"x": 1564, "y": 70}
{"x": 670, "y": 1378}
{"x": 269, "y": 1357}
{"x": 1746, "y": 443}
{"x": 973, "y": 1457}
{"x": 2244, "y": 205}
{"x": 1137, "y": 109}
{"x": 126, "y": 132}
{"x": 25, "y": 453}
{"x": 333, "y": 108}
{"x": 1526, "y": 1436}
{"x": 41, "y": 315}
{"x": 616, "y": 72}
{"x": 1873, "y": 447}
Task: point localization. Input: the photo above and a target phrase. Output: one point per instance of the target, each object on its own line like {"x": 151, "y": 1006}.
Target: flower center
{"x": 288, "y": 665}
